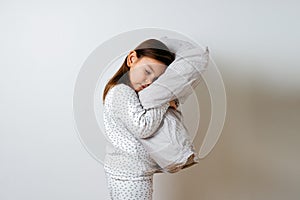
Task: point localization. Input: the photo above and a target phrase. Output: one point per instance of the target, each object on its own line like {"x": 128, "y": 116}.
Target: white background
{"x": 255, "y": 44}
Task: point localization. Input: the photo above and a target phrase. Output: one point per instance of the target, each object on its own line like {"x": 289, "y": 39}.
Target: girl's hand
{"x": 174, "y": 104}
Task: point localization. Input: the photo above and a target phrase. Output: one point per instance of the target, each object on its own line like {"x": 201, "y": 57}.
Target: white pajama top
{"x": 125, "y": 121}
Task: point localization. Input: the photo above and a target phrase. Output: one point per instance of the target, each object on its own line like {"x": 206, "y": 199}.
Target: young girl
{"x": 128, "y": 167}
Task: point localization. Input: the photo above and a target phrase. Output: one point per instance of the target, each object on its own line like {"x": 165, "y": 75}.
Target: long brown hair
{"x": 150, "y": 48}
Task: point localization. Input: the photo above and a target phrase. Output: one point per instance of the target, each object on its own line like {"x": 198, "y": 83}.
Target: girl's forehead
{"x": 154, "y": 65}
{"x": 152, "y": 62}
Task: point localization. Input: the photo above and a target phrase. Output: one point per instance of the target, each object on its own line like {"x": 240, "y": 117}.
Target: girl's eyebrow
{"x": 150, "y": 67}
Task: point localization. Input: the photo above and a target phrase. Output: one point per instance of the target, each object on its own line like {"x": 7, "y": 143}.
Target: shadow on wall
{"x": 256, "y": 156}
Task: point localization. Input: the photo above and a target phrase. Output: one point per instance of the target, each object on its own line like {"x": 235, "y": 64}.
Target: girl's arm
{"x": 142, "y": 123}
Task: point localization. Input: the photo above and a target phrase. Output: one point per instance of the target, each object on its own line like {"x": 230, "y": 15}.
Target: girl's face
{"x": 143, "y": 71}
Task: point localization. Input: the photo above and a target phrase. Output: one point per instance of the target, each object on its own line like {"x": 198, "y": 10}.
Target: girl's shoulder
{"x": 122, "y": 87}
{"x": 119, "y": 95}
{"x": 121, "y": 90}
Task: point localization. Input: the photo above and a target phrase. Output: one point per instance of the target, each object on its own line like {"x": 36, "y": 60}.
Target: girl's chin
{"x": 139, "y": 89}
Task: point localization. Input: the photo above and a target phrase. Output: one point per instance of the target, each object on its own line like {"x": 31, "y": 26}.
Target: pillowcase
{"x": 171, "y": 146}
{"x": 180, "y": 77}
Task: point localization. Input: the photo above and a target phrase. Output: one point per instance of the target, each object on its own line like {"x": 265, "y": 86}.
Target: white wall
{"x": 254, "y": 43}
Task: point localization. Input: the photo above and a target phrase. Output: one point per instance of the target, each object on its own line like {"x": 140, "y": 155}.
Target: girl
{"x": 128, "y": 167}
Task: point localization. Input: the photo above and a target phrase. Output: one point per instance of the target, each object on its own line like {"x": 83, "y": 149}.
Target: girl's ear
{"x": 131, "y": 58}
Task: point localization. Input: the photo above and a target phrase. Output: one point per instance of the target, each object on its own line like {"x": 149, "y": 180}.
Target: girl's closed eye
{"x": 148, "y": 72}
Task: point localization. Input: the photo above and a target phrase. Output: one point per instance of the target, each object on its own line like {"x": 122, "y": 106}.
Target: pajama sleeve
{"x": 142, "y": 123}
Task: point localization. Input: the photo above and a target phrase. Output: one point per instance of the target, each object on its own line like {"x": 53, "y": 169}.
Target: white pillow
{"x": 181, "y": 76}
{"x": 171, "y": 146}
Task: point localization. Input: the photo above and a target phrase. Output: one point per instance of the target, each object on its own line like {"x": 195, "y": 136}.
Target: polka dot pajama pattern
{"x": 128, "y": 166}
{"x": 130, "y": 189}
